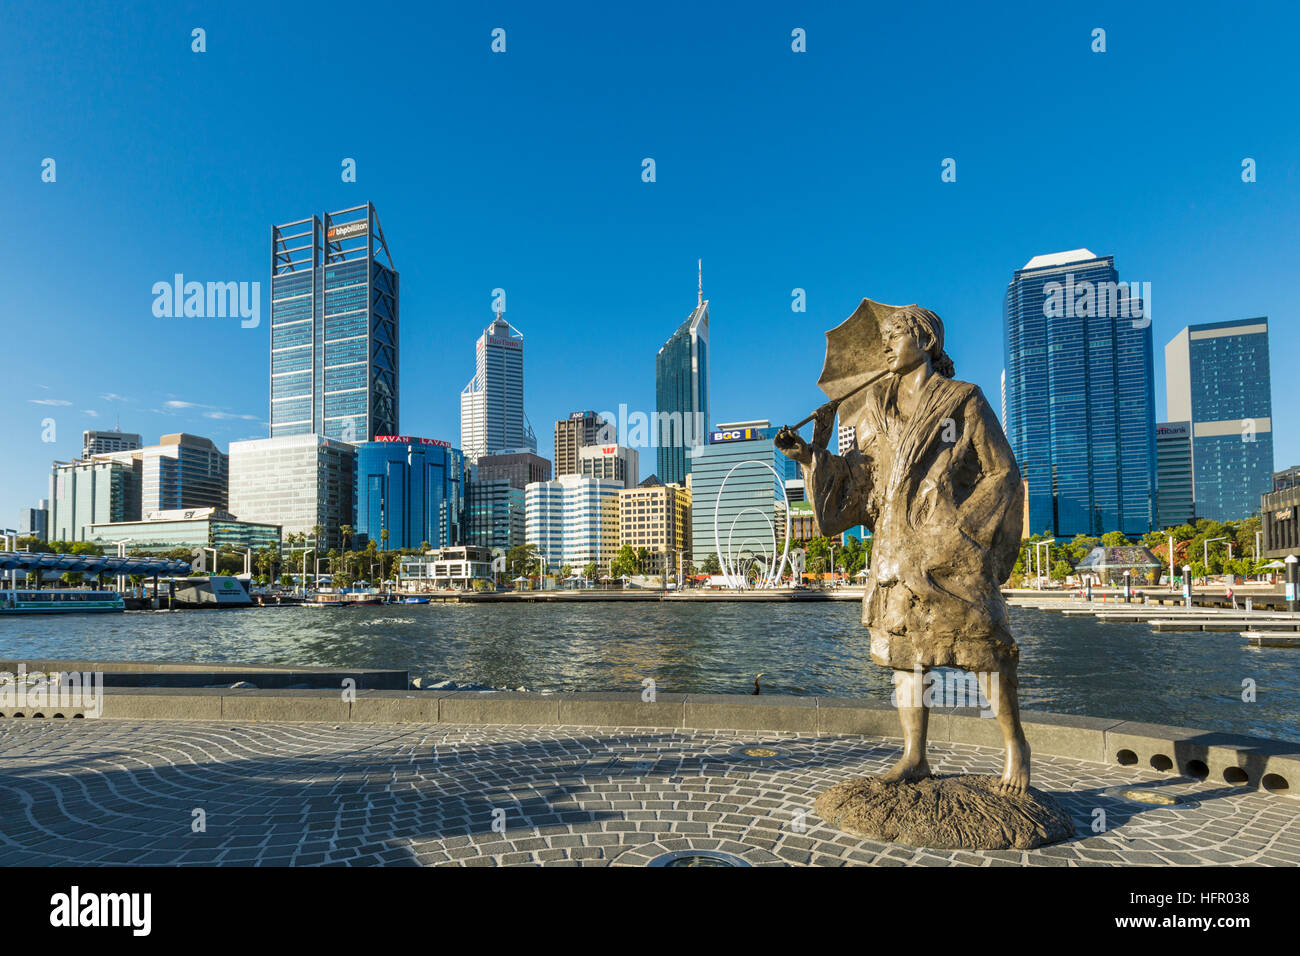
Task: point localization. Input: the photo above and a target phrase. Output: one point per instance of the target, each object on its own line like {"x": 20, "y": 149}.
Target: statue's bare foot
{"x": 907, "y": 770}
{"x": 1015, "y": 778}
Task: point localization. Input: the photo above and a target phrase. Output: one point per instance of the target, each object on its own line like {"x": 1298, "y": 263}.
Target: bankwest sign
{"x": 408, "y": 440}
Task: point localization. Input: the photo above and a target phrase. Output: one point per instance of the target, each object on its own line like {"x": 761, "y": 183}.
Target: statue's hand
{"x": 792, "y": 446}
{"x": 824, "y": 424}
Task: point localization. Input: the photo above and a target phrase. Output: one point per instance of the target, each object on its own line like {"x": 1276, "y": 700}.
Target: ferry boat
{"x": 60, "y": 601}
{"x": 326, "y": 599}
{"x": 343, "y": 599}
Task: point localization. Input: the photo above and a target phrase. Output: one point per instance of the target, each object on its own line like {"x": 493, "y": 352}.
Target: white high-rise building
{"x": 610, "y": 463}
{"x": 297, "y": 482}
{"x": 573, "y": 520}
{"x": 848, "y": 438}
{"x": 492, "y": 415}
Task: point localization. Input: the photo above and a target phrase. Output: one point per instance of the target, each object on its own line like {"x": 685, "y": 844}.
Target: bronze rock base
{"x": 945, "y": 813}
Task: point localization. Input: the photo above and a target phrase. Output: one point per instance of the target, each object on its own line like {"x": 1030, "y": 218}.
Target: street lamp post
{"x": 1171, "y": 562}
{"x": 1047, "y": 556}
{"x": 1206, "y": 544}
{"x": 1292, "y": 601}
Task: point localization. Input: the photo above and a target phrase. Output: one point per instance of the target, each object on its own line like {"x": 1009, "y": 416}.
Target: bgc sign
{"x": 735, "y": 434}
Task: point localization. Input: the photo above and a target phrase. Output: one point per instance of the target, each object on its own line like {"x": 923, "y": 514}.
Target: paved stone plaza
{"x": 126, "y": 792}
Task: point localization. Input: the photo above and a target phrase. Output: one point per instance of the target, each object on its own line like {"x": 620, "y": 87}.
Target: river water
{"x": 1068, "y": 665}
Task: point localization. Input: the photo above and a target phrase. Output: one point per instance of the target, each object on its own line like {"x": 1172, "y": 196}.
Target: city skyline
{"x": 782, "y": 197}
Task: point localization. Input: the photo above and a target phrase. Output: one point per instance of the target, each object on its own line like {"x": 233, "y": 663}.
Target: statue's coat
{"x": 942, "y": 494}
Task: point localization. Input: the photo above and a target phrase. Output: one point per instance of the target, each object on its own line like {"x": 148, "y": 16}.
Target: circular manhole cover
{"x": 698, "y": 858}
{"x": 757, "y": 752}
{"x": 1149, "y": 797}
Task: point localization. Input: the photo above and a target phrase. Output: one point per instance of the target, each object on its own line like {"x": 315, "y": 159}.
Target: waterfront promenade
{"x": 483, "y": 781}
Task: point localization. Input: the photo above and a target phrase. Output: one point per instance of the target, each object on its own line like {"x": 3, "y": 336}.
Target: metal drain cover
{"x": 757, "y": 752}
{"x": 1149, "y": 797}
{"x": 698, "y": 858}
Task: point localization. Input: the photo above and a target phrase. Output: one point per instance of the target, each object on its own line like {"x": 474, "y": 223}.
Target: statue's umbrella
{"x": 854, "y": 359}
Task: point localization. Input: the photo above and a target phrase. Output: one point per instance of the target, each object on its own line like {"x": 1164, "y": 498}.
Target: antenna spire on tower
{"x": 699, "y": 264}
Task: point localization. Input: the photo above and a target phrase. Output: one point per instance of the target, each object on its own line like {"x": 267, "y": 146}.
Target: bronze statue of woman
{"x": 934, "y": 479}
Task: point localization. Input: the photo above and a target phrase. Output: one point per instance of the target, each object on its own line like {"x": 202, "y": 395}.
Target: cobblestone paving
{"x": 120, "y": 792}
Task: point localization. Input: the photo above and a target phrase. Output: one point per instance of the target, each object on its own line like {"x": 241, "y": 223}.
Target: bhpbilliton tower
{"x": 334, "y": 328}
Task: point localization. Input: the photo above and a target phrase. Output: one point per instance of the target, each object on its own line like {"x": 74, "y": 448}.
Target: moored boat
{"x": 60, "y": 601}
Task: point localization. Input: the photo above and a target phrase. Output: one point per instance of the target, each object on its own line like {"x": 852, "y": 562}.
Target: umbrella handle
{"x": 834, "y": 403}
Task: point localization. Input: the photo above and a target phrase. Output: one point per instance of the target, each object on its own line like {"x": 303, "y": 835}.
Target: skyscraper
{"x": 1217, "y": 378}
{"x": 413, "y": 488}
{"x": 1080, "y": 395}
{"x": 1175, "y": 500}
{"x": 573, "y": 520}
{"x": 183, "y": 471}
{"x": 334, "y": 328}
{"x": 682, "y": 393}
{"x": 492, "y": 415}
{"x": 101, "y": 442}
{"x": 610, "y": 463}
{"x": 296, "y": 482}
{"x": 738, "y": 495}
{"x": 577, "y": 431}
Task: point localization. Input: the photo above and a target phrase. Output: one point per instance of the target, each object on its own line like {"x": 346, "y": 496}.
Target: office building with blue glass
{"x": 334, "y": 328}
{"x": 1217, "y": 378}
{"x": 1175, "y": 497}
{"x": 682, "y": 395}
{"x": 413, "y": 488}
{"x": 738, "y": 503}
{"x": 1080, "y": 395}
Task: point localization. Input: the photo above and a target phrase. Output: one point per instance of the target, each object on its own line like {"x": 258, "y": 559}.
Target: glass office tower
{"x": 1217, "y": 377}
{"x": 738, "y": 476}
{"x": 1080, "y": 396}
{"x": 682, "y": 395}
{"x": 492, "y": 418}
{"x": 334, "y": 328}
{"x": 413, "y": 488}
{"x": 1175, "y": 499}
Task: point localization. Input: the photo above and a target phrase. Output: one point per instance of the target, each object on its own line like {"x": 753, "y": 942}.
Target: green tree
{"x": 624, "y": 562}
{"x": 346, "y": 531}
{"x": 1061, "y": 570}
{"x": 1114, "y": 539}
{"x": 521, "y": 560}
{"x": 591, "y": 571}
{"x": 711, "y": 565}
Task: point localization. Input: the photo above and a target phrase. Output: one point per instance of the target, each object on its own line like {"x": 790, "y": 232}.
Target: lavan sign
{"x": 407, "y": 440}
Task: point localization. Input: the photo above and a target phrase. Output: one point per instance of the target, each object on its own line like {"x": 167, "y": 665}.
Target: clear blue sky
{"x": 522, "y": 170}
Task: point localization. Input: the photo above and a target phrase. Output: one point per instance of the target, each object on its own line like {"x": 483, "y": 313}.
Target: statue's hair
{"x": 928, "y": 327}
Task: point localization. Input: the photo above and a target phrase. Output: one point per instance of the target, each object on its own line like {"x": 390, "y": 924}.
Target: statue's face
{"x": 903, "y": 350}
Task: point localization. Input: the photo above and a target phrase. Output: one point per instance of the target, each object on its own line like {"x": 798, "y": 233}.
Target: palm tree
{"x": 383, "y": 537}
{"x": 345, "y": 532}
